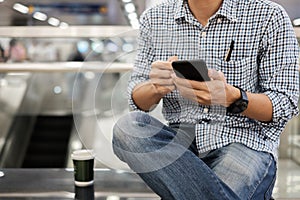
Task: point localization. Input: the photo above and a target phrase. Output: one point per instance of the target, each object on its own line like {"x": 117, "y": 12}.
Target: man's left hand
{"x": 214, "y": 92}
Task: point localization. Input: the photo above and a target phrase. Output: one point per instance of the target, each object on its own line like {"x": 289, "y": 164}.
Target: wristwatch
{"x": 239, "y": 105}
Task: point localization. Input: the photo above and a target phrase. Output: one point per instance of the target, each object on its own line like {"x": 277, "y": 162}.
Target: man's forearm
{"x": 146, "y": 96}
{"x": 259, "y": 107}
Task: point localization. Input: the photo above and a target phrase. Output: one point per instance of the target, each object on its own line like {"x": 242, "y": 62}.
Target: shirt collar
{"x": 179, "y": 9}
{"x": 228, "y": 9}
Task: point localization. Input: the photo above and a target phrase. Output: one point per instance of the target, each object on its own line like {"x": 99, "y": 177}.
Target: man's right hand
{"x": 160, "y": 76}
{"x": 147, "y": 95}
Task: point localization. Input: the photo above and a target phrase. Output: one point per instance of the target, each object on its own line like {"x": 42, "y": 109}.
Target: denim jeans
{"x": 166, "y": 158}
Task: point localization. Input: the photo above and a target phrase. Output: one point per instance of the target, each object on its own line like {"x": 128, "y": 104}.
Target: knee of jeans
{"x": 119, "y": 136}
{"x": 134, "y": 119}
{"x": 118, "y": 141}
{"x": 136, "y": 124}
{"x": 128, "y": 123}
{"x": 128, "y": 131}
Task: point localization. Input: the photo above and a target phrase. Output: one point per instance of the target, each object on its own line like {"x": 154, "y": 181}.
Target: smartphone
{"x": 191, "y": 69}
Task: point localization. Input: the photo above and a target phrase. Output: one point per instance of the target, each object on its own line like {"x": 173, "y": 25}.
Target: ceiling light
{"x": 129, "y": 7}
{"x": 40, "y": 16}
{"x": 113, "y": 198}
{"x": 112, "y": 47}
{"x": 127, "y": 47}
{"x": 132, "y": 16}
{"x": 21, "y": 8}
{"x": 135, "y": 23}
{"x": 126, "y": 1}
{"x": 83, "y": 46}
{"x": 63, "y": 25}
{"x": 296, "y": 22}
{"x": 57, "y": 90}
{"x": 98, "y": 46}
{"x": 53, "y": 21}
{"x": 1, "y": 1}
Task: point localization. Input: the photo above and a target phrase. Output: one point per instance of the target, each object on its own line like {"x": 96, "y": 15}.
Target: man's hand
{"x": 147, "y": 95}
{"x": 214, "y": 92}
{"x": 161, "y": 76}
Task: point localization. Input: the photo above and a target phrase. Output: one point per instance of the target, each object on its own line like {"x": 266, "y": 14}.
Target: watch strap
{"x": 239, "y": 105}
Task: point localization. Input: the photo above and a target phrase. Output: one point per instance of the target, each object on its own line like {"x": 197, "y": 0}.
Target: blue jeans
{"x": 166, "y": 158}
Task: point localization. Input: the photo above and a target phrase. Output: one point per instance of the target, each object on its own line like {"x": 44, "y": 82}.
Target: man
{"x": 222, "y": 135}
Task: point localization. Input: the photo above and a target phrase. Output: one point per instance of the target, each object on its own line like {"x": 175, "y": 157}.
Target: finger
{"x": 181, "y": 82}
{"x": 164, "y": 82}
{"x": 222, "y": 76}
{"x": 163, "y": 65}
{"x": 158, "y": 73}
{"x": 171, "y": 87}
{"x": 165, "y": 89}
{"x": 200, "y": 97}
{"x": 213, "y": 74}
{"x": 216, "y": 75}
{"x": 189, "y": 83}
{"x": 185, "y": 92}
{"x": 172, "y": 58}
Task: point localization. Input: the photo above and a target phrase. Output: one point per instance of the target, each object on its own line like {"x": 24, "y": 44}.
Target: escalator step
{"x": 50, "y": 136}
{"x": 43, "y": 161}
{"x": 49, "y": 142}
{"x": 58, "y": 121}
{"x": 46, "y": 148}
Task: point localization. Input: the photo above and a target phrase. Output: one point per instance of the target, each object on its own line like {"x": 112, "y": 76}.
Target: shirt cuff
{"x": 283, "y": 111}
{"x": 131, "y": 86}
{"x": 284, "y": 108}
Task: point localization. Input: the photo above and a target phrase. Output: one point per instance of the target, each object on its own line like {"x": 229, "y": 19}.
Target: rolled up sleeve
{"x": 144, "y": 58}
{"x": 278, "y": 72}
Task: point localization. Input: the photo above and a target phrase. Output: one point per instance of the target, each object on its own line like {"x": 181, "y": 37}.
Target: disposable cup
{"x": 83, "y": 162}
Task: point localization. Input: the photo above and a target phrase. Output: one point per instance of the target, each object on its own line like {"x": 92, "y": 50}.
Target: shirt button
{"x": 203, "y": 34}
{"x": 219, "y": 20}
{"x": 205, "y": 110}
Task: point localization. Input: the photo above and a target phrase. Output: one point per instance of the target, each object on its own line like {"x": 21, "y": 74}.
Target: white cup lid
{"x": 83, "y": 154}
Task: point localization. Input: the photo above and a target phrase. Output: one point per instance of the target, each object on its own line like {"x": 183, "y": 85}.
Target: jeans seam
{"x": 221, "y": 188}
{"x": 272, "y": 182}
{"x": 263, "y": 177}
{"x": 218, "y": 183}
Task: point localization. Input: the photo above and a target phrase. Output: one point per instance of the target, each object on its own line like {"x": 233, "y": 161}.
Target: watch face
{"x": 243, "y": 105}
{"x": 240, "y": 105}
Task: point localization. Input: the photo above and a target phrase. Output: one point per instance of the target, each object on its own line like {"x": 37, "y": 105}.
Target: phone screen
{"x": 191, "y": 69}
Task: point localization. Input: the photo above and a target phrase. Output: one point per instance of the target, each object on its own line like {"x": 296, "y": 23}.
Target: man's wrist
{"x": 234, "y": 95}
{"x": 241, "y": 104}
{"x": 145, "y": 95}
{"x": 160, "y": 91}
{"x": 157, "y": 92}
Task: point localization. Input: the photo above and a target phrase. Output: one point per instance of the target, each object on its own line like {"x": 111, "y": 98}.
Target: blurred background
{"x": 64, "y": 67}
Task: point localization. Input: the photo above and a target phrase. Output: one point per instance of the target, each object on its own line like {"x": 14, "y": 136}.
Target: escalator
{"x": 37, "y": 133}
{"x": 48, "y": 145}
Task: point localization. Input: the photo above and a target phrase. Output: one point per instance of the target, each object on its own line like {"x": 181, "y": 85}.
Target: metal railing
{"x": 101, "y": 67}
{"x": 70, "y": 32}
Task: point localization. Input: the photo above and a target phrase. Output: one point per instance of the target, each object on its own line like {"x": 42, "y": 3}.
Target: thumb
{"x": 172, "y": 58}
{"x": 216, "y": 75}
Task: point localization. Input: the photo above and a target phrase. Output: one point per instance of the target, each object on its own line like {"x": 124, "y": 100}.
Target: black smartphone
{"x": 191, "y": 69}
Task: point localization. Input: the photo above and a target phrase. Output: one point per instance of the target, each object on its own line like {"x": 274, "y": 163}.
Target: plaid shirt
{"x": 264, "y": 60}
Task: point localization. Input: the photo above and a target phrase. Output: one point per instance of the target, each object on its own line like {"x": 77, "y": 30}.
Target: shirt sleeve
{"x": 278, "y": 71}
{"x": 144, "y": 58}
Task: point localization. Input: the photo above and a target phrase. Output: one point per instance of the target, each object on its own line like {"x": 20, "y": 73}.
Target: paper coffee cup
{"x": 83, "y": 161}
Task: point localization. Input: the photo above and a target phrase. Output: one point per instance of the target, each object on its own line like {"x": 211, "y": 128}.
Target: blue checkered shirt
{"x": 264, "y": 60}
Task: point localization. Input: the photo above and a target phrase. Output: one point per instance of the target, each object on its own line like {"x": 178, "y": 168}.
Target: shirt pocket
{"x": 242, "y": 73}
